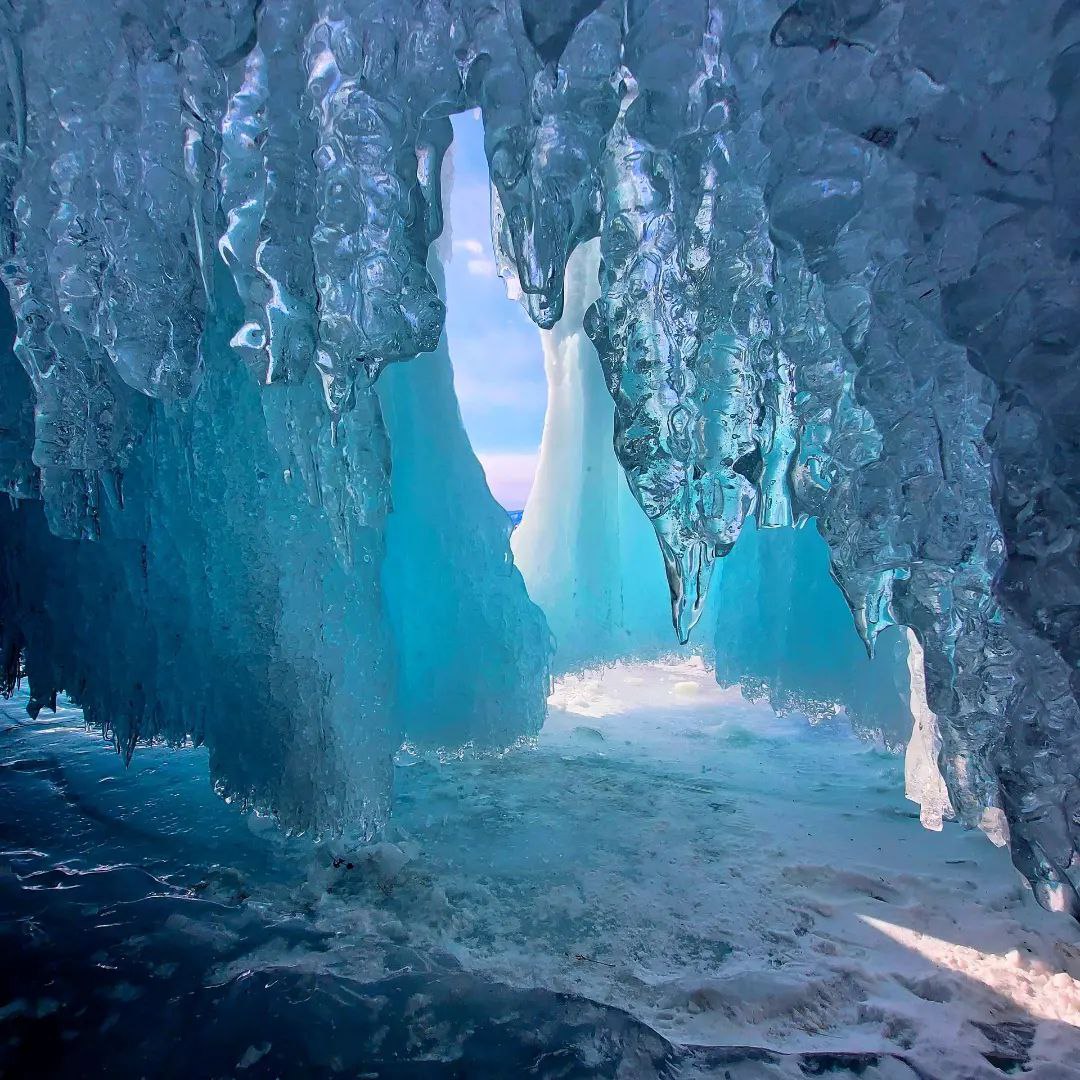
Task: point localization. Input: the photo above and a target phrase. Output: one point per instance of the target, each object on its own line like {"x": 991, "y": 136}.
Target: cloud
{"x": 481, "y": 267}
{"x": 510, "y": 475}
{"x": 469, "y": 244}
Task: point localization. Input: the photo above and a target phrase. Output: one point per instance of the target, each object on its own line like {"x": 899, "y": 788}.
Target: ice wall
{"x": 217, "y": 603}
{"x": 838, "y": 281}
{"x": 471, "y": 649}
{"x": 583, "y": 546}
{"x": 301, "y": 639}
{"x": 780, "y": 629}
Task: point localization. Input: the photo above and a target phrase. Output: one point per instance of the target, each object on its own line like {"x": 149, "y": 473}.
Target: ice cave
{"x": 542, "y": 539}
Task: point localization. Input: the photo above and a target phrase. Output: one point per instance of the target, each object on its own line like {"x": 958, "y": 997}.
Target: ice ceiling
{"x": 838, "y": 280}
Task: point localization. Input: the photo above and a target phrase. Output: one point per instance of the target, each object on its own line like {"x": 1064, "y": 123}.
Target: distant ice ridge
{"x": 838, "y": 282}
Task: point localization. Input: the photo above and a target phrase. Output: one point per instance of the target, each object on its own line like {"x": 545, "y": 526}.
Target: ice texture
{"x": 471, "y": 648}
{"x": 220, "y": 604}
{"x": 837, "y": 282}
{"x": 586, "y": 551}
{"x": 774, "y": 624}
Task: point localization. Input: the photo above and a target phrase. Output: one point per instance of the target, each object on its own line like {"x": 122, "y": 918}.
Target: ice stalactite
{"x": 544, "y": 81}
{"x": 379, "y": 78}
{"x": 268, "y": 198}
{"x": 647, "y": 323}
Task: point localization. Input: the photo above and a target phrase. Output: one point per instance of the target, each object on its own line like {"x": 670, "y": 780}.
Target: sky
{"x": 494, "y": 346}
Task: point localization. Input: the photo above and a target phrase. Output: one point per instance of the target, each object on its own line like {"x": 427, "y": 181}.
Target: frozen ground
{"x": 669, "y": 868}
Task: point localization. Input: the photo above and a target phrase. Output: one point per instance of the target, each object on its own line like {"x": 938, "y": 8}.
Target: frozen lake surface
{"x": 672, "y": 881}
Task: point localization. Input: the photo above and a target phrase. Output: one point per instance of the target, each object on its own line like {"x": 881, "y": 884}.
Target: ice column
{"x": 586, "y": 551}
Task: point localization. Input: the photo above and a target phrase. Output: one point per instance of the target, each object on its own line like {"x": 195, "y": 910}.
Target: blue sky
{"x": 495, "y": 348}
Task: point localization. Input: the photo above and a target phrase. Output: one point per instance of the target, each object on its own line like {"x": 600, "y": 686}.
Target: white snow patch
{"x": 923, "y": 782}
{"x": 733, "y": 877}
{"x": 728, "y": 876}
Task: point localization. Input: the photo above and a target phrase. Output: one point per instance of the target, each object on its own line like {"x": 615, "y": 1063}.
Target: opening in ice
{"x": 496, "y": 351}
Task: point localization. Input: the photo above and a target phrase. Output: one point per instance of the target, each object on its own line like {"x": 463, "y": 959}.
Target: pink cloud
{"x": 509, "y": 475}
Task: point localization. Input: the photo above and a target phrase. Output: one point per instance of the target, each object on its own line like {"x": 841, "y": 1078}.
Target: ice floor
{"x": 673, "y": 882}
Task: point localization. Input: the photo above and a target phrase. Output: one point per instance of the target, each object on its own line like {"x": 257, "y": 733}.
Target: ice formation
{"x": 774, "y": 623}
{"x": 584, "y": 547}
{"x": 838, "y": 282}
